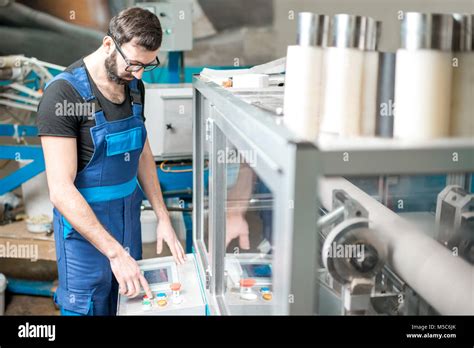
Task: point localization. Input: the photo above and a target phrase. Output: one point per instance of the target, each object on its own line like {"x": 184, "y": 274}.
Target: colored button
{"x": 161, "y": 295}
{"x": 249, "y": 296}
{"x": 267, "y": 296}
{"x": 175, "y": 286}
{"x": 264, "y": 290}
{"x": 247, "y": 283}
{"x": 162, "y": 303}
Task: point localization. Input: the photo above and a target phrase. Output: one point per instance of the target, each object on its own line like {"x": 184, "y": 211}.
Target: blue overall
{"x": 109, "y": 184}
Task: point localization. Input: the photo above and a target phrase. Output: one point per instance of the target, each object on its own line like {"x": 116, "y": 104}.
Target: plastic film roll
{"x": 422, "y": 94}
{"x": 369, "y": 93}
{"x": 462, "y": 103}
{"x": 424, "y": 77}
{"x": 302, "y": 90}
{"x": 341, "y": 104}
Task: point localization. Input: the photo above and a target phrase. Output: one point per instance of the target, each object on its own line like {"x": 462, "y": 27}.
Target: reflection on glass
{"x": 249, "y": 214}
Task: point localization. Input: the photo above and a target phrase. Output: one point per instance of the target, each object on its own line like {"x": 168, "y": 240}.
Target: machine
{"x": 369, "y": 253}
{"x": 168, "y": 113}
{"x": 176, "y": 17}
{"x": 263, "y": 245}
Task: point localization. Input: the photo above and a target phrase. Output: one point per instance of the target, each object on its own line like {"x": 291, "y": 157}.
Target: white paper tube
{"x": 422, "y": 94}
{"x": 462, "y": 103}
{"x": 341, "y": 104}
{"x": 369, "y": 93}
{"x": 302, "y": 90}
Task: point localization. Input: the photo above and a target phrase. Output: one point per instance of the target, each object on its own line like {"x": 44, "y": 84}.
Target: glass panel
{"x": 206, "y": 146}
{"x": 249, "y": 215}
{"x": 361, "y": 283}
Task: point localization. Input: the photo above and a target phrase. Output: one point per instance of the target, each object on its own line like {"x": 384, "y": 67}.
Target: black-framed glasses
{"x": 135, "y": 67}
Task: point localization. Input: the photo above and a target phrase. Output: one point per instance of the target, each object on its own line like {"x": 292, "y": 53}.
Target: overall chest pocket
{"x": 125, "y": 141}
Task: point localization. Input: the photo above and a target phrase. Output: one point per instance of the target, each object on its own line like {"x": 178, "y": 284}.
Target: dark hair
{"x": 136, "y": 22}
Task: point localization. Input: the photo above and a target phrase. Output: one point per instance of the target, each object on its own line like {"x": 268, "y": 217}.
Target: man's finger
{"x": 136, "y": 283}
{"x": 130, "y": 289}
{"x": 122, "y": 287}
{"x": 159, "y": 245}
{"x": 145, "y": 286}
{"x": 172, "y": 247}
{"x": 244, "y": 241}
{"x": 180, "y": 251}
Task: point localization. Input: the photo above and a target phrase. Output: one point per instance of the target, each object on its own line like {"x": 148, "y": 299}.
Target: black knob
{"x": 169, "y": 126}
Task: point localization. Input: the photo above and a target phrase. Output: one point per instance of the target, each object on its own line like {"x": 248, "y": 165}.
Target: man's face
{"x": 115, "y": 64}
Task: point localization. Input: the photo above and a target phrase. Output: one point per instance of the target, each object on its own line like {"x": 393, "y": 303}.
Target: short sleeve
{"x": 60, "y": 110}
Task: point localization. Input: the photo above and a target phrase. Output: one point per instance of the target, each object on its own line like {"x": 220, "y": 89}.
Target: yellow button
{"x": 267, "y": 297}
{"x": 162, "y": 303}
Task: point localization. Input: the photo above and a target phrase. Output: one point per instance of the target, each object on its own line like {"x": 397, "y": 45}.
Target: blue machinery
{"x": 19, "y": 153}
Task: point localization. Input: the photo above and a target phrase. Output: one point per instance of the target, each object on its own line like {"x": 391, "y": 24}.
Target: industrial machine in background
{"x": 176, "y": 19}
{"x": 455, "y": 221}
{"x": 361, "y": 251}
{"x": 168, "y": 113}
{"x": 21, "y": 84}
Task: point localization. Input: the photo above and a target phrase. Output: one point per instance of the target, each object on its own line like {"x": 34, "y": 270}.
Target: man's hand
{"x": 128, "y": 274}
{"x": 236, "y": 226}
{"x": 166, "y": 232}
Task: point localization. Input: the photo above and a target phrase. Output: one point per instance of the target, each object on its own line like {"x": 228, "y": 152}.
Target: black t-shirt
{"x": 78, "y": 125}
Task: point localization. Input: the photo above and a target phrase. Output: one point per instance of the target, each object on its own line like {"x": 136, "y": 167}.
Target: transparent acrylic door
{"x": 249, "y": 225}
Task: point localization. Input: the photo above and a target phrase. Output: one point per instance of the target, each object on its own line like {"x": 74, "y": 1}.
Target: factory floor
{"x": 43, "y": 270}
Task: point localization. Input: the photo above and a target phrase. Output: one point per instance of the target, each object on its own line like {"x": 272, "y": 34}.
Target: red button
{"x": 247, "y": 283}
{"x": 175, "y": 286}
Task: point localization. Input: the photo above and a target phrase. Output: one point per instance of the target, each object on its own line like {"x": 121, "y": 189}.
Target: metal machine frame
{"x": 283, "y": 164}
{"x": 292, "y": 169}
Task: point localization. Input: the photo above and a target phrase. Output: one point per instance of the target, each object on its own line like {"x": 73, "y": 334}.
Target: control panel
{"x": 249, "y": 284}
{"x": 168, "y": 113}
{"x": 176, "y": 20}
{"x": 176, "y": 289}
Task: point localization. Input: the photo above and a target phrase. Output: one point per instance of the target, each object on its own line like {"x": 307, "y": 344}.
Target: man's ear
{"x": 107, "y": 44}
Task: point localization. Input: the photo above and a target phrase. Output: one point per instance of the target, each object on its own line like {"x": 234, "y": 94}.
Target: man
{"x": 96, "y": 152}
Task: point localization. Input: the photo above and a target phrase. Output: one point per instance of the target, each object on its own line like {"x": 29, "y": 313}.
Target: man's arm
{"x": 60, "y": 155}
{"x": 149, "y": 182}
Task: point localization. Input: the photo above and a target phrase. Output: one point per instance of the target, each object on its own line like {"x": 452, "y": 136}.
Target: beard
{"x": 112, "y": 72}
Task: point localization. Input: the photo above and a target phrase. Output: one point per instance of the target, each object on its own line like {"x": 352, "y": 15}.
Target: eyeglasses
{"x": 135, "y": 67}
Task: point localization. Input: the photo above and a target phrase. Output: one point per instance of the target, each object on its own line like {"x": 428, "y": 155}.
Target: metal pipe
{"x": 18, "y": 105}
{"x": 442, "y": 279}
{"x": 24, "y": 16}
{"x": 385, "y": 94}
{"x": 312, "y": 29}
{"x": 427, "y": 31}
{"x": 329, "y": 218}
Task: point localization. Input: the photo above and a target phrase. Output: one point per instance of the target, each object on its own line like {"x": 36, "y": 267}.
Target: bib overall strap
{"x": 136, "y": 98}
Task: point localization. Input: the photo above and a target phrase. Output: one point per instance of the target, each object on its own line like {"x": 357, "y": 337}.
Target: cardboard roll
{"x": 352, "y": 250}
